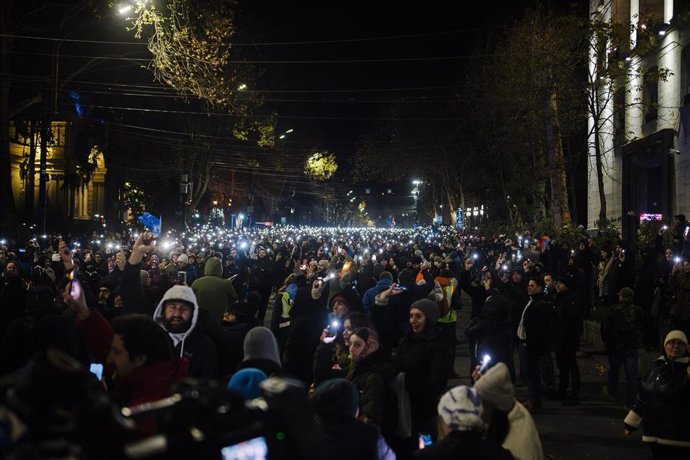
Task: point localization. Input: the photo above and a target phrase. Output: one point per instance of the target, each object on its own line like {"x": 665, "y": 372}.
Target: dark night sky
{"x": 439, "y": 29}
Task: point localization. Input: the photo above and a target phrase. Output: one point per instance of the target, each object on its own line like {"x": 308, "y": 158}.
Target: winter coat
{"x": 538, "y": 323}
{"x": 396, "y": 313}
{"x": 491, "y": 328}
{"x": 192, "y": 345}
{"x": 261, "y": 274}
{"x": 370, "y": 294}
{"x": 231, "y": 352}
{"x": 680, "y": 283}
{"x": 621, "y": 328}
{"x": 662, "y": 404}
{"x": 567, "y": 322}
{"x": 458, "y": 445}
{"x": 372, "y": 377}
{"x": 213, "y": 293}
{"x": 423, "y": 358}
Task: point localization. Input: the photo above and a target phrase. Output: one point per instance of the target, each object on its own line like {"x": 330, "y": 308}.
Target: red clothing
{"x": 147, "y": 383}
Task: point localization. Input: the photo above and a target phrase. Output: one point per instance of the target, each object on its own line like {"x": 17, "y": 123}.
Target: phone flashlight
{"x": 475, "y": 256}
{"x": 676, "y": 260}
{"x": 485, "y": 363}
{"x": 335, "y": 325}
{"x": 664, "y": 227}
{"x": 505, "y": 267}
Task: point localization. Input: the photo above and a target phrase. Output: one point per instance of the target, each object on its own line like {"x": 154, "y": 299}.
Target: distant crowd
{"x": 366, "y": 319}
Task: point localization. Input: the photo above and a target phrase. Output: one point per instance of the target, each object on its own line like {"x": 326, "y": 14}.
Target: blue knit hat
{"x": 246, "y": 382}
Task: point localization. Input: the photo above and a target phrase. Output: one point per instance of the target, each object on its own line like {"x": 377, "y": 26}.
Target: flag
{"x": 152, "y": 222}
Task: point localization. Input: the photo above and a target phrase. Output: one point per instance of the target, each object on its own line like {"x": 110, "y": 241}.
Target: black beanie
{"x": 429, "y": 308}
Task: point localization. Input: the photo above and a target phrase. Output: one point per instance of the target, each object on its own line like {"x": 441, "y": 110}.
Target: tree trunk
{"x": 30, "y": 176}
{"x": 7, "y": 207}
{"x": 557, "y": 180}
{"x": 43, "y": 166}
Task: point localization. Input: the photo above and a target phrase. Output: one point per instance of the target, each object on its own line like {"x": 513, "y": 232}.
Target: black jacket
{"x": 372, "y": 376}
{"x": 347, "y": 438}
{"x": 567, "y": 322}
{"x": 492, "y": 326}
{"x": 231, "y": 350}
{"x": 538, "y": 323}
{"x": 424, "y": 360}
{"x": 662, "y": 403}
{"x": 464, "y": 445}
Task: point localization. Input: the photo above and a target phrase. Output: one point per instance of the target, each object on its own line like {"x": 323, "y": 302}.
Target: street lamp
{"x": 124, "y": 9}
{"x": 242, "y": 87}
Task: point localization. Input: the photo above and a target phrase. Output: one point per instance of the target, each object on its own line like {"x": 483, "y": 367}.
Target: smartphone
{"x": 424, "y": 440}
{"x": 97, "y": 370}
{"x": 256, "y": 449}
{"x": 75, "y": 286}
{"x": 182, "y": 278}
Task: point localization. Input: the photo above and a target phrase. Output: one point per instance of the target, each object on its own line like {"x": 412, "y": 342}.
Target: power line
{"x": 295, "y": 61}
{"x": 252, "y": 44}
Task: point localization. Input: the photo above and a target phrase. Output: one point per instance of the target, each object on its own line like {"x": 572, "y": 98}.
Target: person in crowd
{"x": 680, "y": 284}
{"x": 621, "y": 331}
{"x": 450, "y": 303}
{"x": 534, "y": 331}
{"x": 213, "y": 293}
{"x": 372, "y": 373}
{"x": 177, "y": 314}
{"x": 261, "y": 352}
{"x": 422, "y": 356}
{"x": 509, "y": 423}
{"x": 308, "y": 317}
{"x": 566, "y": 339}
{"x": 245, "y": 382}
{"x": 662, "y": 402}
{"x": 396, "y": 301}
{"x": 491, "y": 328}
{"x": 460, "y": 410}
{"x": 606, "y": 261}
{"x": 385, "y": 279}
{"x": 261, "y": 279}
{"x": 336, "y": 404}
{"x": 240, "y": 319}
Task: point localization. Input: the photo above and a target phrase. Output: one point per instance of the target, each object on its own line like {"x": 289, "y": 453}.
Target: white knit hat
{"x": 676, "y": 335}
{"x": 461, "y": 409}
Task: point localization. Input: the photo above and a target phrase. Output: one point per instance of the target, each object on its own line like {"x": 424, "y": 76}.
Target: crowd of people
{"x": 366, "y": 319}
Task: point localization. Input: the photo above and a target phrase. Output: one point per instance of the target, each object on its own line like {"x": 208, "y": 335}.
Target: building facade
{"x": 643, "y": 116}
{"x": 66, "y": 196}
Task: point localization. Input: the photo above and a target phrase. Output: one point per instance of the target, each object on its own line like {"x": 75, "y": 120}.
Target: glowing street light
{"x": 242, "y": 87}
{"x": 124, "y": 9}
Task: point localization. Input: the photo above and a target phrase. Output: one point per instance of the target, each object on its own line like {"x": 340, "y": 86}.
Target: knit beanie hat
{"x": 260, "y": 343}
{"x": 676, "y": 335}
{"x": 461, "y": 409}
{"x": 429, "y": 308}
{"x": 183, "y": 258}
{"x": 246, "y": 382}
{"x": 339, "y": 298}
{"x": 243, "y": 310}
{"x": 496, "y": 387}
{"x": 336, "y": 397}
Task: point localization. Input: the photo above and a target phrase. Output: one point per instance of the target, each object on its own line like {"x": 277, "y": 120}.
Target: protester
{"x": 509, "y": 423}
{"x": 460, "y": 411}
{"x": 662, "y": 402}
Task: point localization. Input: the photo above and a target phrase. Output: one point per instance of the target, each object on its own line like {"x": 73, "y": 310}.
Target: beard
{"x": 176, "y": 327}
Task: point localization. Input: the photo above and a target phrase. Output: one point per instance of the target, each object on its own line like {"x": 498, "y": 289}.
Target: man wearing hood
{"x": 177, "y": 313}
{"x": 213, "y": 293}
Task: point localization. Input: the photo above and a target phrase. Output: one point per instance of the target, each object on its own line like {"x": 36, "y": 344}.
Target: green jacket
{"x": 213, "y": 293}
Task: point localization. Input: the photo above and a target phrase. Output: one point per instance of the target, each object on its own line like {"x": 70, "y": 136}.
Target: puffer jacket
{"x": 662, "y": 404}
{"x": 372, "y": 376}
{"x": 213, "y": 293}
